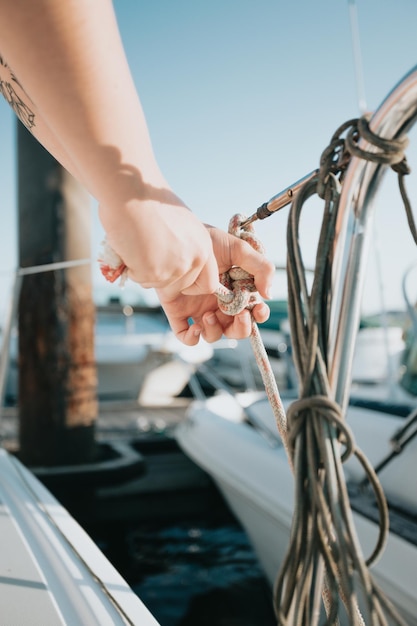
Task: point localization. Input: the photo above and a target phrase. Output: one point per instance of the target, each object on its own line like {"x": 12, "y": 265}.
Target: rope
{"x": 111, "y": 264}
{"x": 237, "y": 292}
{"x": 389, "y": 152}
{"x": 324, "y": 559}
{"x": 323, "y": 545}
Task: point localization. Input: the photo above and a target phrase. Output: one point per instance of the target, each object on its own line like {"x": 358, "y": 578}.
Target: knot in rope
{"x": 320, "y": 406}
{"x": 237, "y": 290}
{"x": 390, "y": 151}
{"x": 402, "y": 168}
{"x": 335, "y": 158}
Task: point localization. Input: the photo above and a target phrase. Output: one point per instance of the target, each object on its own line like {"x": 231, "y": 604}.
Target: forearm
{"x": 70, "y": 63}
{"x": 78, "y": 98}
{"x": 72, "y": 87}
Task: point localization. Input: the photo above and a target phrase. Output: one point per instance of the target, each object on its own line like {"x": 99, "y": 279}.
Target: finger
{"x": 191, "y": 336}
{"x": 212, "y": 327}
{"x": 256, "y": 264}
{"x": 188, "y": 334}
{"x": 241, "y": 326}
{"x": 261, "y": 312}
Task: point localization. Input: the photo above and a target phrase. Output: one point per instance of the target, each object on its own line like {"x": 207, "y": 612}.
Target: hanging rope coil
{"x": 324, "y": 558}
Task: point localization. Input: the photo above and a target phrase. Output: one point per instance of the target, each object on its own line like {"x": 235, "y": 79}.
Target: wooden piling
{"x": 57, "y": 397}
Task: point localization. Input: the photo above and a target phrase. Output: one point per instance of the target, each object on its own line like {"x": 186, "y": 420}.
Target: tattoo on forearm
{"x": 8, "y": 86}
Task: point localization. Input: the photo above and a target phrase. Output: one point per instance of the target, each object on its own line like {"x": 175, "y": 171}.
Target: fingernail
{"x": 197, "y": 332}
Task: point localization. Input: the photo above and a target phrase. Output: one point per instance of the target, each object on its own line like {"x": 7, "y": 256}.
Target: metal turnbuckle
{"x": 280, "y": 200}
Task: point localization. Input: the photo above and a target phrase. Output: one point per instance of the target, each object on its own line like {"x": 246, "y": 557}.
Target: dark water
{"x": 192, "y": 573}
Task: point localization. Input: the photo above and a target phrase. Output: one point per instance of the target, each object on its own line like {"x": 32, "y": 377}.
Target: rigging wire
{"x": 357, "y": 56}
{"x": 362, "y": 105}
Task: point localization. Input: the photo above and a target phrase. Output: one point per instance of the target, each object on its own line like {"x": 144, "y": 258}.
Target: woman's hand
{"x": 163, "y": 244}
{"x": 202, "y": 309}
{"x": 68, "y": 79}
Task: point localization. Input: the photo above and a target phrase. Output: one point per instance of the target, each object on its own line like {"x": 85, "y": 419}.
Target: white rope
{"x": 241, "y": 285}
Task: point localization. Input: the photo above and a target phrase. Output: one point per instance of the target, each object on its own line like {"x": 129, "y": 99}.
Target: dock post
{"x": 57, "y": 396}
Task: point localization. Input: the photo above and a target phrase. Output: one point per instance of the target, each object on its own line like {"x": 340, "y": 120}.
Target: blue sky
{"x": 241, "y": 97}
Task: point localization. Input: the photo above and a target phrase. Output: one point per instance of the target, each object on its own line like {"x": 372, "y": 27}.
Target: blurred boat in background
{"x": 234, "y": 438}
{"x": 137, "y": 356}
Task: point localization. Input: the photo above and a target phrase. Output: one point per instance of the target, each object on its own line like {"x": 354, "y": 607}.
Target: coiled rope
{"x": 323, "y": 544}
{"x": 323, "y": 537}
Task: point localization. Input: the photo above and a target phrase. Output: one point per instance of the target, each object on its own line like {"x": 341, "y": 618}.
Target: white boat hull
{"x": 257, "y": 483}
{"x": 51, "y": 572}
